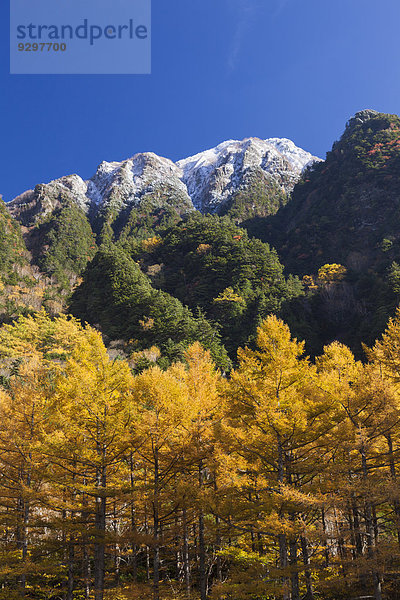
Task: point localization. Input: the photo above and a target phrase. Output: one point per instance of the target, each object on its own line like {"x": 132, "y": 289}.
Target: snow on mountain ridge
{"x": 298, "y": 157}
{"x": 205, "y": 181}
{"x": 129, "y": 180}
{"x": 212, "y": 176}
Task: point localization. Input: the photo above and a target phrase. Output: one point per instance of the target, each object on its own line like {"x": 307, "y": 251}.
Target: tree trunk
{"x": 218, "y": 547}
{"x": 307, "y": 573}
{"x": 283, "y": 558}
{"x": 356, "y": 525}
{"x": 86, "y": 572}
{"x": 326, "y": 549}
{"x": 22, "y": 529}
{"x": 71, "y": 548}
{"x": 156, "y": 529}
{"x": 186, "y": 558}
{"x": 117, "y": 559}
{"x": 24, "y": 539}
{"x": 133, "y": 522}
{"x": 369, "y": 526}
{"x": 218, "y": 541}
{"x": 71, "y": 561}
{"x": 294, "y": 577}
{"x": 340, "y": 542}
{"x": 100, "y": 526}
{"x": 178, "y": 548}
{"x": 396, "y": 504}
{"x": 202, "y": 548}
{"x": 156, "y": 561}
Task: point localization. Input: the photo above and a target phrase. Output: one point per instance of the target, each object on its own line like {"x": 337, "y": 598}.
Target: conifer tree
{"x": 275, "y": 405}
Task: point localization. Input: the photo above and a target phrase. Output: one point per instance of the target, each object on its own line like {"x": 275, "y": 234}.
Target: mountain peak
{"x": 365, "y": 115}
{"x": 208, "y": 181}
{"x": 361, "y": 117}
{"x": 350, "y": 205}
{"x": 213, "y": 176}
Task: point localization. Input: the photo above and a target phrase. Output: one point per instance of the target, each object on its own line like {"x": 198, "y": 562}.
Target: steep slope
{"x": 64, "y": 244}
{"x": 22, "y": 288}
{"x": 144, "y": 186}
{"x": 145, "y": 194}
{"x": 347, "y": 209}
{"x": 122, "y": 194}
{"x": 215, "y": 177}
{"x": 115, "y": 189}
{"x": 209, "y": 263}
{"x": 119, "y": 297}
{"x": 34, "y": 206}
{"x": 59, "y": 216}
{"x": 12, "y": 247}
{"x": 56, "y": 228}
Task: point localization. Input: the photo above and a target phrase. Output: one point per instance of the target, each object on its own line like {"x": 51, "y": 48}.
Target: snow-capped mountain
{"x": 115, "y": 185}
{"x": 206, "y": 181}
{"x": 213, "y": 176}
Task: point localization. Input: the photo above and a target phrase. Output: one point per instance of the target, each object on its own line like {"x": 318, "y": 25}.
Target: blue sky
{"x": 222, "y": 69}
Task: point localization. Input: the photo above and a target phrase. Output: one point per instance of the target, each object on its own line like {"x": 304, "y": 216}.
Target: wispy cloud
{"x": 244, "y": 10}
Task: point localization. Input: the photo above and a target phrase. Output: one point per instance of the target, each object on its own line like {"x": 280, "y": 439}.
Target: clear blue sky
{"x": 222, "y": 69}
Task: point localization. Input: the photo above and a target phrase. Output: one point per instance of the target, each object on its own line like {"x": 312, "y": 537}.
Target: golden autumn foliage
{"x": 279, "y": 482}
{"x": 332, "y": 273}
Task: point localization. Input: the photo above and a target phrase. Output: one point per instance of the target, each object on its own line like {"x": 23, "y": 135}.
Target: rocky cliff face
{"x": 207, "y": 182}
{"x": 115, "y": 186}
{"x": 214, "y": 176}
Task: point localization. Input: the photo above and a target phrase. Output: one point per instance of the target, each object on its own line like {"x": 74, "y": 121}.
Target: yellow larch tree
{"x": 276, "y": 417}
